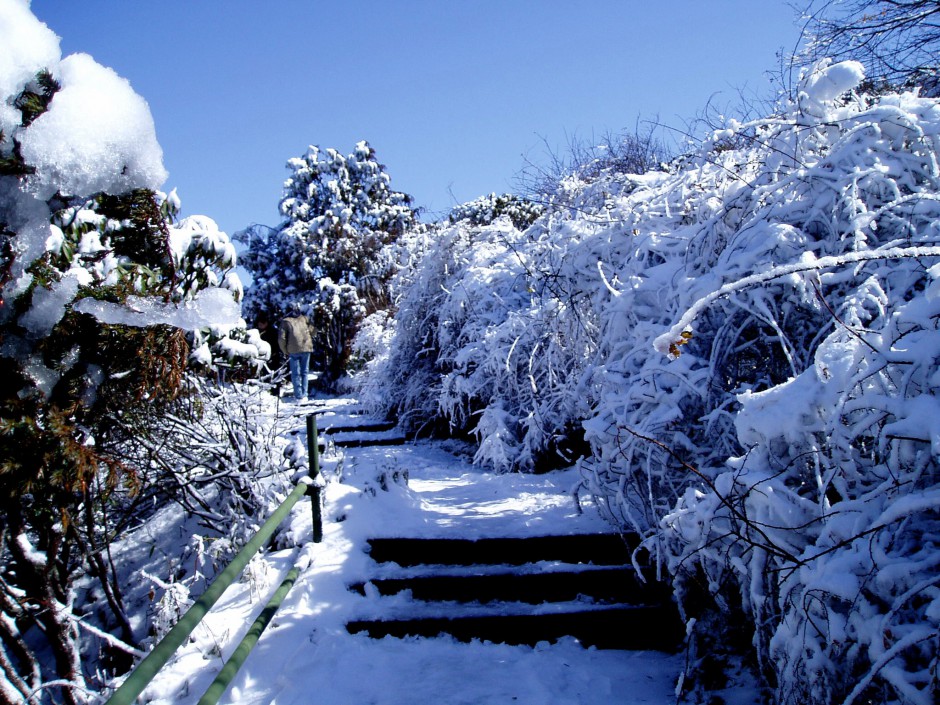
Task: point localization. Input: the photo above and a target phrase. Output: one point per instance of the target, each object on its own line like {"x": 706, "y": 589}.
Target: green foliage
{"x": 13, "y": 164}
{"x": 35, "y": 99}
{"x": 91, "y": 377}
{"x": 144, "y": 231}
{"x": 32, "y": 102}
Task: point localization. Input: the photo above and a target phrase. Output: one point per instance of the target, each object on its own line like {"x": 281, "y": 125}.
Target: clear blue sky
{"x": 453, "y": 95}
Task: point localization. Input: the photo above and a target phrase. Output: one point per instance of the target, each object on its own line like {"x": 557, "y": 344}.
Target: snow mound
{"x": 825, "y": 82}
{"x": 29, "y": 47}
{"x": 97, "y": 136}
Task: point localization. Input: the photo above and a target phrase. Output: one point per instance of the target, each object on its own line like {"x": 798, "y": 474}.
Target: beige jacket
{"x": 294, "y": 335}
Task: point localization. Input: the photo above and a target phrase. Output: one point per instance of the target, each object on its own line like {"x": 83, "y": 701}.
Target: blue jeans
{"x": 299, "y": 364}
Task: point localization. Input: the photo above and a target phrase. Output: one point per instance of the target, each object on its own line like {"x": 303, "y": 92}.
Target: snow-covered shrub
{"x": 749, "y": 340}
{"x": 173, "y": 602}
{"x": 204, "y": 256}
{"x": 192, "y": 258}
{"x": 222, "y": 458}
{"x": 220, "y": 455}
{"x": 486, "y": 209}
{"x": 412, "y": 355}
{"x": 470, "y": 348}
{"x": 799, "y": 319}
{"x": 591, "y": 159}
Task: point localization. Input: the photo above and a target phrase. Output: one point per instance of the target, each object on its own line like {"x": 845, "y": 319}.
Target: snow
{"x": 306, "y": 650}
{"x": 826, "y": 82}
{"x": 97, "y": 136}
{"x": 49, "y": 304}
{"x": 29, "y": 46}
{"x": 210, "y": 307}
{"x": 202, "y": 234}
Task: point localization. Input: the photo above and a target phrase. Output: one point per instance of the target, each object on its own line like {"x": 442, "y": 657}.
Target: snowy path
{"x": 307, "y": 657}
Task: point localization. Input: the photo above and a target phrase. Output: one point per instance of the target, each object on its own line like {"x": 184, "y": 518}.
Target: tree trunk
{"x": 46, "y": 587}
{"x": 19, "y": 668}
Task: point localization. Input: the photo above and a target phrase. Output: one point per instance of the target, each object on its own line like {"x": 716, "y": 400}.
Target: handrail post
{"x": 313, "y": 492}
{"x": 313, "y": 445}
{"x": 313, "y": 489}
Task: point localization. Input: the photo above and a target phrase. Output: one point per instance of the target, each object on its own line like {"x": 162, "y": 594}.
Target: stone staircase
{"x": 356, "y": 430}
{"x": 519, "y": 591}
{"x": 511, "y": 590}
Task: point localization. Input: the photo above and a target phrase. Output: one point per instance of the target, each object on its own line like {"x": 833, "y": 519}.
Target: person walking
{"x": 296, "y": 343}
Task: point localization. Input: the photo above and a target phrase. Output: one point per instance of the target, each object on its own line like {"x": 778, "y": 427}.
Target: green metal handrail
{"x": 156, "y": 659}
{"x": 237, "y": 659}
{"x": 231, "y": 667}
{"x": 145, "y": 671}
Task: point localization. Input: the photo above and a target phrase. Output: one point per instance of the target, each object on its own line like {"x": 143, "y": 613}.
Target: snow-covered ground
{"x": 306, "y": 655}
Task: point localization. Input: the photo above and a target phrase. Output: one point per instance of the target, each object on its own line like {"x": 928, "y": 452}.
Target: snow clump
{"x": 97, "y": 136}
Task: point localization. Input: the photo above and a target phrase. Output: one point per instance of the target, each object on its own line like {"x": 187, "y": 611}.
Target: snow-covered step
{"x": 366, "y": 425}
{"x": 358, "y": 432}
{"x": 596, "y": 549}
{"x": 360, "y": 439}
{"x": 654, "y": 627}
{"x": 608, "y": 585}
{"x": 517, "y": 590}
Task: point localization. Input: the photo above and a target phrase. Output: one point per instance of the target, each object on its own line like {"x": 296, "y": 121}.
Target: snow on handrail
{"x": 147, "y": 669}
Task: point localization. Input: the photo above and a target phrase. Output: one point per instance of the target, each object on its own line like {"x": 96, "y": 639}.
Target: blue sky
{"x": 454, "y": 96}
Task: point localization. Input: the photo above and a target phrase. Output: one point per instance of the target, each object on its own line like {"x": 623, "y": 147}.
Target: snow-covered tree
{"x": 330, "y": 255}
{"x": 97, "y": 286}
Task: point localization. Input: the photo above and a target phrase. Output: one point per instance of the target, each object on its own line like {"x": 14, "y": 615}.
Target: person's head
{"x": 262, "y": 321}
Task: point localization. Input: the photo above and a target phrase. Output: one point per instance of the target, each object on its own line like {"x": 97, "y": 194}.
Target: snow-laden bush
{"x": 220, "y": 457}
{"x": 749, "y": 341}
{"x": 804, "y": 293}
{"x": 473, "y": 348}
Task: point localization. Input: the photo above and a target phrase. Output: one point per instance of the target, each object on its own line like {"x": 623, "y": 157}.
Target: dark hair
{"x": 262, "y": 317}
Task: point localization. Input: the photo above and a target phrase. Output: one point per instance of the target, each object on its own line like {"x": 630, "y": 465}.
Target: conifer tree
{"x": 330, "y": 254}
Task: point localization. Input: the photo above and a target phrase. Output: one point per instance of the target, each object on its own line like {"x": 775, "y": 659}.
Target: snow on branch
{"x": 210, "y": 307}
{"x": 666, "y": 343}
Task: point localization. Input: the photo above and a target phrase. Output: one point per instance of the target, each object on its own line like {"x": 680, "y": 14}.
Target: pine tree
{"x": 331, "y": 253}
